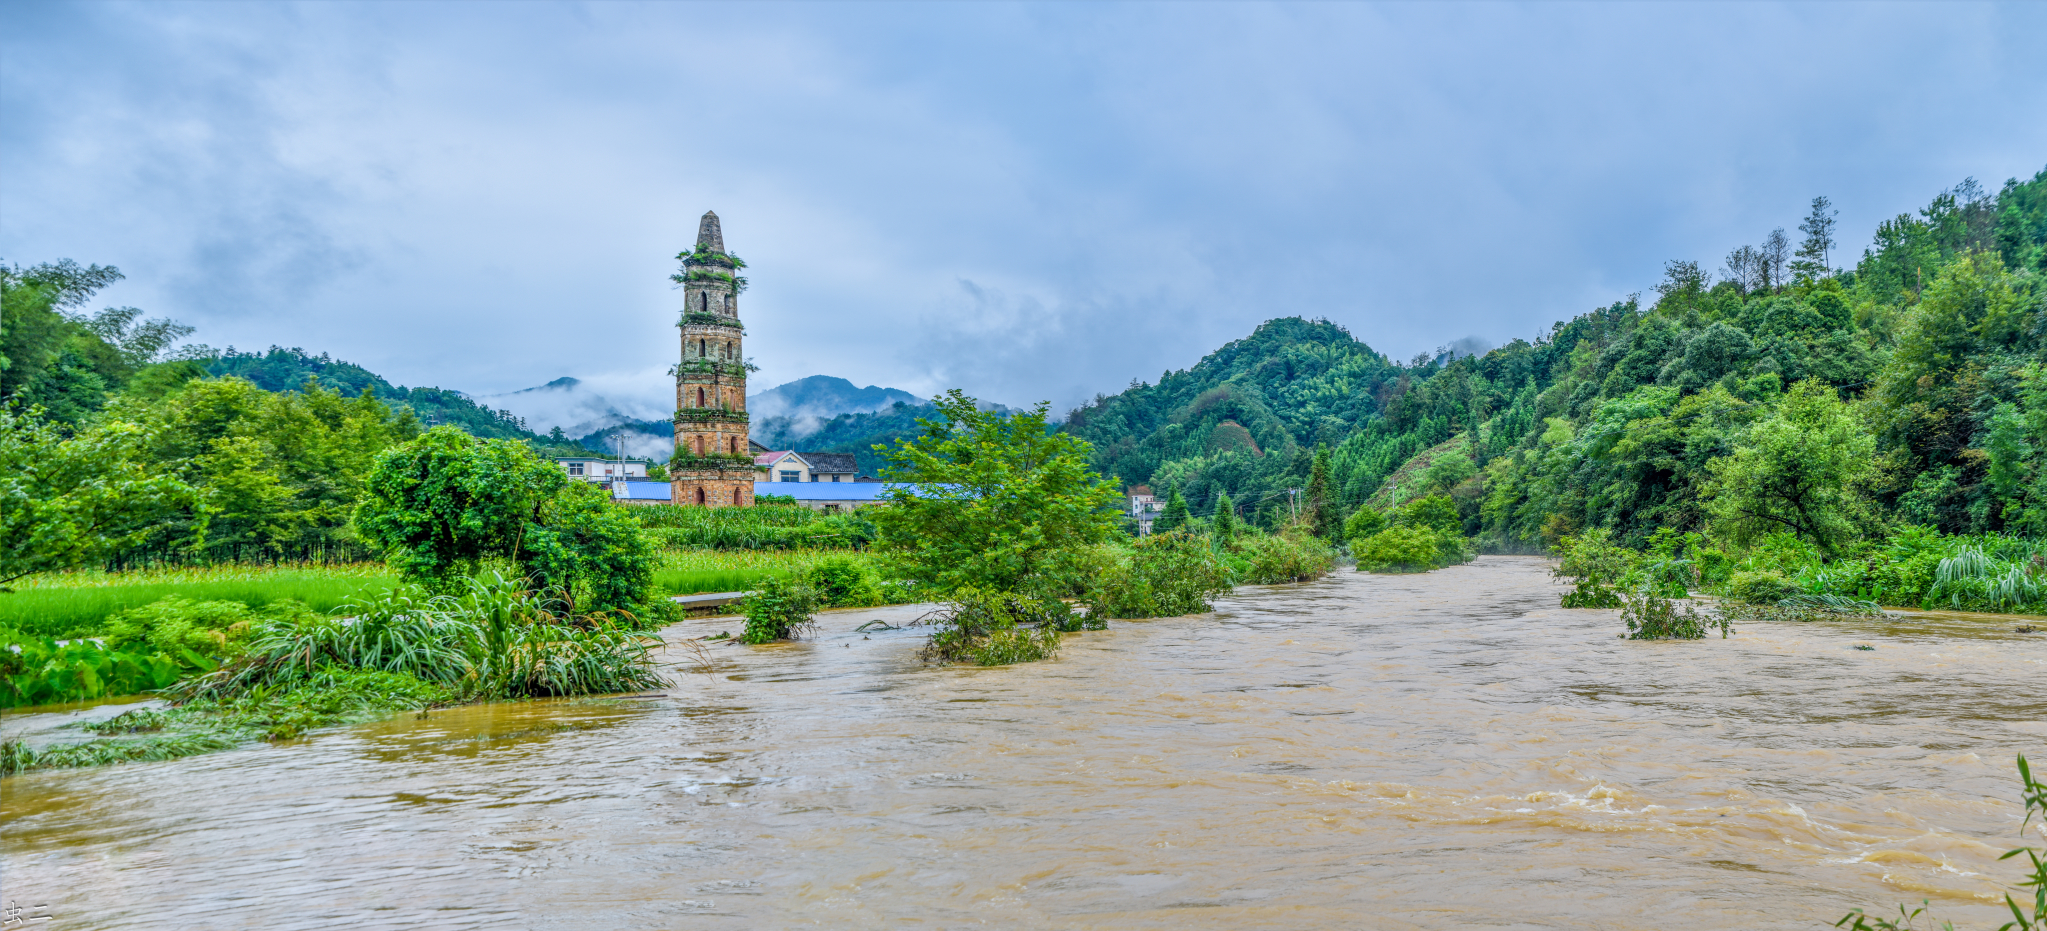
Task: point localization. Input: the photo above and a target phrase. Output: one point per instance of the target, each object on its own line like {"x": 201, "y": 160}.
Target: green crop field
{"x": 77, "y": 604}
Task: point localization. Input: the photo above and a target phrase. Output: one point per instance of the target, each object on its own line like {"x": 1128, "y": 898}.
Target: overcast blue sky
{"x": 1027, "y": 202}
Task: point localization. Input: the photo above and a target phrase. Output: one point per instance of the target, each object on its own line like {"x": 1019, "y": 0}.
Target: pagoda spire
{"x": 709, "y": 237}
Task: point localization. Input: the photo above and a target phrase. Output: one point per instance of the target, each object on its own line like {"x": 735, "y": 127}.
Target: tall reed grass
{"x": 766, "y": 527}
{"x": 690, "y": 571}
{"x": 491, "y": 641}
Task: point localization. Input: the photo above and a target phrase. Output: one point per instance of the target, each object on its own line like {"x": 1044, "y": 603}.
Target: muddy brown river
{"x": 1441, "y": 751}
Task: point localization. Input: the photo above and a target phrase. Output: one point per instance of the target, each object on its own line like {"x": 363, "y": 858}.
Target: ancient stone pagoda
{"x": 713, "y": 464}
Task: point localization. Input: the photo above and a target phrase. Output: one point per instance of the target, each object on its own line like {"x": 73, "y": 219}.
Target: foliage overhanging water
{"x": 1436, "y": 751}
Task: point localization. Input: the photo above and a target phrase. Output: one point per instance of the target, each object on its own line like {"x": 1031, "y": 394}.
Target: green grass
{"x": 767, "y": 527}
{"x": 78, "y": 604}
{"x": 690, "y": 571}
{"x": 694, "y": 581}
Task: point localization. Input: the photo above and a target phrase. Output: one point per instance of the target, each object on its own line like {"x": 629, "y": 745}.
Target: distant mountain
{"x": 566, "y": 403}
{"x": 641, "y": 439}
{"x": 785, "y": 415}
{"x": 856, "y": 433}
{"x": 821, "y": 413}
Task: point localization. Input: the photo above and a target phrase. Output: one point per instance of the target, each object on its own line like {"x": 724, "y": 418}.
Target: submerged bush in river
{"x": 1163, "y": 575}
{"x": 1276, "y": 559}
{"x": 1410, "y": 549}
{"x": 1596, "y": 567}
{"x": 779, "y": 610}
{"x": 996, "y": 628}
{"x": 330, "y": 695}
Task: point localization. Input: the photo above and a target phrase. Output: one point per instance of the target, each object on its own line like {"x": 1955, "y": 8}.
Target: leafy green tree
{"x": 64, "y": 360}
{"x": 1364, "y": 523}
{"x": 33, "y": 327}
{"x": 587, "y": 551}
{"x": 69, "y": 501}
{"x": 1173, "y": 516}
{"x": 1815, "y": 253}
{"x": 992, "y": 501}
{"x": 446, "y": 501}
{"x": 1801, "y": 470}
{"x": 278, "y": 473}
{"x": 1224, "y": 524}
{"x": 1323, "y": 514}
{"x": 442, "y": 503}
{"x": 1163, "y": 575}
{"x": 1435, "y": 512}
{"x": 1447, "y": 472}
{"x": 1411, "y": 548}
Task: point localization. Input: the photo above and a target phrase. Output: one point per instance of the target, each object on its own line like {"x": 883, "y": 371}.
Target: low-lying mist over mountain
{"x": 582, "y": 412}
{"x": 787, "y": 413}
{"x": 782, "y": 416}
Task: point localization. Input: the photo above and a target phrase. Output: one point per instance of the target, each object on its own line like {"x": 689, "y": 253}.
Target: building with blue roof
{"x": 642, "y": 492}
{"x": 829, "y": 497}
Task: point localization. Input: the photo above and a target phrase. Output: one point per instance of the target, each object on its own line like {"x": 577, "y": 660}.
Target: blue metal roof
{"x": 641, "y": 491}
{"x": 824, "y": 491}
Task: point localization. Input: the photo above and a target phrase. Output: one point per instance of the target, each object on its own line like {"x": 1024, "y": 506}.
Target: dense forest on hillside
{"x": 856, "y": 433}
{"x": 275, "y": 445}
{"x": 280, "y": 369}
{"x": 1922, "y": 363}
{"x": 1776, "y": 394}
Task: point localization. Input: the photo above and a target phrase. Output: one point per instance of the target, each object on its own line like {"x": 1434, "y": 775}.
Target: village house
{"x": 602, "y": 470}
{"x": 1142, "y": 506}
{"x": 792, "y": 466}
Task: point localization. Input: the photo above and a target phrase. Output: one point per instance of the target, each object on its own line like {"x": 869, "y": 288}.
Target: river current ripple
{"x": 1448, "y": 750}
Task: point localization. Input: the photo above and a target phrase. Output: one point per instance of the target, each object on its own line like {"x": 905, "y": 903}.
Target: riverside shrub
{"x": 1410, "y": 548}
{"x": 778, "y": 610}
{"x": 991, "y": 628}
{"x": 40, "y": 670}
{"x": 492, "y": 640}
{"x": 1363, "y": 524}
{"x": 842, "y": 582}
{"x": 1760, "y": 587}
{"x": 1288, "y": 557}
{"x": 1163, "y": 575}
{"x": 1596, "y": 566}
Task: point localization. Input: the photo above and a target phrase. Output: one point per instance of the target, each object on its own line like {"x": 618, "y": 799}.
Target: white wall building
{"x": 791, "y": 466}
{"x": 603, "y": 470}
{"x": 1143, "y": 507}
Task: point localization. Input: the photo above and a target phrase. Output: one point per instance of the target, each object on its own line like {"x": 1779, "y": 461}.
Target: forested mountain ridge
{"x": 280, "y": 369}
{"x": 1929, "y": 349}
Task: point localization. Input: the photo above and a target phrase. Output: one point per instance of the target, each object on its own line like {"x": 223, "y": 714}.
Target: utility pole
{"x": 618, "y": 444}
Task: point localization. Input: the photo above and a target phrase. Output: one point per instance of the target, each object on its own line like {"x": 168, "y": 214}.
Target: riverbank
{"x": 77, "y": 604}
{"x": 1428, "y": 751}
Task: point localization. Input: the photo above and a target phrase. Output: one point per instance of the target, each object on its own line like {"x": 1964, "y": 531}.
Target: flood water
{"x": 1440, "y": 751}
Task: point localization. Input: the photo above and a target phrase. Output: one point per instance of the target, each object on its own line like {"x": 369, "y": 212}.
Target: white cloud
{"x": 1028, "y": 202}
